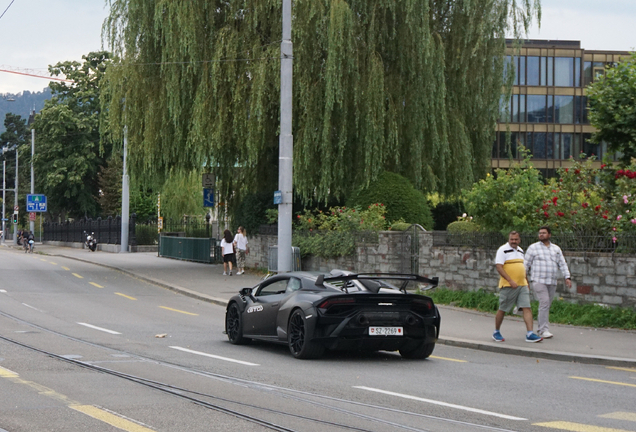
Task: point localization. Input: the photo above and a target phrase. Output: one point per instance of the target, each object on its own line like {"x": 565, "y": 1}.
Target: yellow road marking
{"x": 603, "y": 381}
{"x": 577, "y": 427}
{"x": 621, "y": 416}
{"x": 124, "y": 295}
{"x": 109, "y": 418}
{"x": 89, "y": 410}
{"x": 66, "y": 268}
{"x": 6, "y": 373}
{"x": 78, "y": 276}
{"x": 449, "y": 359}
{"x": 96, "y": 285}
{"x": 42, "y": 259}
{"x": 621, "y": 369}
{"x": 53, "y": 263}
{"x": 177, "y": 310}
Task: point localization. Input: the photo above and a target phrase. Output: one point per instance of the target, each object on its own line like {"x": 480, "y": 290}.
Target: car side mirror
{"x": 247, "y": 292}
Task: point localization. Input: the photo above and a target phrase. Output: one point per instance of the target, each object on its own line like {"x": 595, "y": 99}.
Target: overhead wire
{"x": 5, "y": 11}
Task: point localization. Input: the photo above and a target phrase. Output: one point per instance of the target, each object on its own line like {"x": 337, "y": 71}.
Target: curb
{"x": 449, "y": 341}
{"x": 547, "y": 355}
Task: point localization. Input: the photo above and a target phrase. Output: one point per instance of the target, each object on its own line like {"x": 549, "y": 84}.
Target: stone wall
{"x": 596, "y": 277}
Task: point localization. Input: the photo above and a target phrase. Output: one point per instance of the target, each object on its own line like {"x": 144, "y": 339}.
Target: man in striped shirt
{"x": 543, "y": 260}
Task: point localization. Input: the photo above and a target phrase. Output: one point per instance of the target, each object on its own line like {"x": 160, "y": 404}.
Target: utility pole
{"x": 15, "y": 200}
{"x": 124, "y": 199}
{"x": 32, "y": 223}
{"x": 286, "y": 144}
{"x": 4, "y": 185}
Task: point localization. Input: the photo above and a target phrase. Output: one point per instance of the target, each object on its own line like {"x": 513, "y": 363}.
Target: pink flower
{"x": 625, "y": 199}
{"x": 614, "y": 239}
{"x": 614, "y": 229}
{"x": 633, "y": 221}
{"x": 619, "y": 217}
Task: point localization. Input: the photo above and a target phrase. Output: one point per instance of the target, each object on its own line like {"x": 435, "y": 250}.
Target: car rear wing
{"x": 404, "y": 277}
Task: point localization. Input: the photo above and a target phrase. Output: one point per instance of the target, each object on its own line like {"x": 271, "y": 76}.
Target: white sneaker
{"x": 224, "y": 273}
{"x": 546, "y": 334}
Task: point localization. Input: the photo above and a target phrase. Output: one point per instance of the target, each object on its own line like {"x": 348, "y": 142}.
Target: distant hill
{"x": 23, "y": 103}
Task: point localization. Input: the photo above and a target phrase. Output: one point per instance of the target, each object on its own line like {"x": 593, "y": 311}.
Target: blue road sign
{"x": 278, "y": 197}
{"x": 36, "y": 203}
{"x": 208, "y": 197}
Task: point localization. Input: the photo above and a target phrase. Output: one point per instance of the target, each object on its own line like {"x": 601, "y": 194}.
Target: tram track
{"x": 240, "y": 407}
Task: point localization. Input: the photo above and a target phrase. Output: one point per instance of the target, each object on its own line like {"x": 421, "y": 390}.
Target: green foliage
{"x": 70, "y": 148}
{"x": 146, "y": 234}
{"x": 335, "y": 232}
{"x": 251, "y": 211}
{"x": 464, "y": 226}
{"x": 613, "y": 110}
{"x": 400, "y": 226}
{"x": 22, "y": 103}
{"x": 561, "y": 312}
{"x": 401, "y": 199}
{"x": 271, "y": 215}
{"x": 182, "y": 195}
{"x": 109, "y": 180}
{"x": 17, "y": 135}
{"x": 509, "y": 200}
{"x": 377, "y": 86}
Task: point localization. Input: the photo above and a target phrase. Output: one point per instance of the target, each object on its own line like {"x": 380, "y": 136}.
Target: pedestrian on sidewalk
{"x": 543, "y": 259}
{"x": 513, "y": 286}
{"x": 240, "y": 244}
{"x": 227, "y": 249}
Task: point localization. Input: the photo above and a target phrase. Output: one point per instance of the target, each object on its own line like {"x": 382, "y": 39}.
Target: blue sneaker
{"x": 534, "y": 338}
{"x": 497, "y": 337}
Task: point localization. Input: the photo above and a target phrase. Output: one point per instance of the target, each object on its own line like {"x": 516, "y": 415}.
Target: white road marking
{"x": 32, "y": 307}
{"x": 214, "y": 356}
{"x": 99, "y": 328}
{"x": 3, "y": 291}
{"x": 445, "y": 404}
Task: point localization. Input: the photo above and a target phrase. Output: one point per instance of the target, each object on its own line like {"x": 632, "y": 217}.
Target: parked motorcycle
{"x": 91, "y": 242}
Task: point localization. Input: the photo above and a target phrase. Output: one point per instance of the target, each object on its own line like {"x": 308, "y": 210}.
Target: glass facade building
{"x": 547, "y": 112}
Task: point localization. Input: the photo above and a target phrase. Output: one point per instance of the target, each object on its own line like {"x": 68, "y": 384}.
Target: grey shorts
{"x": 508, "y": 297}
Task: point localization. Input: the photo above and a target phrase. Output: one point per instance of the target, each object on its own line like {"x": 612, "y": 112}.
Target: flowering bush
{"x": 334, "y": 232}
{"x": 509, "y": 199}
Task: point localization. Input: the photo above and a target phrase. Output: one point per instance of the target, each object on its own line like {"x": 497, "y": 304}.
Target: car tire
{"x": 234, "y": 325}
{"x": 297, "y": 338}
{"x": 422, "y": 350}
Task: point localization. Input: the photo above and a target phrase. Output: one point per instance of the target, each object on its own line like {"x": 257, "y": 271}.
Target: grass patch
{"x": 561, "y": 312}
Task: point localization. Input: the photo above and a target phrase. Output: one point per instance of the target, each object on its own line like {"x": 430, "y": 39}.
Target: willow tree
{"x": 408, "y": 86}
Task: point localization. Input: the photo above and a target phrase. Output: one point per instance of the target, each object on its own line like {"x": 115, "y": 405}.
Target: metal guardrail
{"x": 272, "y": 259}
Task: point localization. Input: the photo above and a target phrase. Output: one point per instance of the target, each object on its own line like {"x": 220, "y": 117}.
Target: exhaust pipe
{"x": 362, "y": 320}
{"x": 411, "y": 320}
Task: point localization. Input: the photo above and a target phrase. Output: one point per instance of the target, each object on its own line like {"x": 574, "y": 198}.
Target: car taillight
{"x": 422, "y": 305}
{"x": 335, "y": 301}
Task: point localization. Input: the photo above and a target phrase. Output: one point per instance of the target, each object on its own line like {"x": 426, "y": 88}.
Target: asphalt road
{"x": 84, "y": 348}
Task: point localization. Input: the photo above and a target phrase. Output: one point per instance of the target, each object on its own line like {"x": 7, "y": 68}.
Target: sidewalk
{"x": 460, "y": 327}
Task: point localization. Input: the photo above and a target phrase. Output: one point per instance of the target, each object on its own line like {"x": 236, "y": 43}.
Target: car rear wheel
{"x": 299, "y": 344}
{"x": 422, "y": 350}
{"x": 234, "y": 325}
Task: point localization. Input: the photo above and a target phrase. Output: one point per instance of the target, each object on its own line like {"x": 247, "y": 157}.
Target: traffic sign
{"x": 208, "y": 197}
{"x": 207, "y": 180}
{"x": 16, "y": 208}
{"x": 36, "y": 203}
{"x": 278, "y": 197}
{"x": 32, "y": 216}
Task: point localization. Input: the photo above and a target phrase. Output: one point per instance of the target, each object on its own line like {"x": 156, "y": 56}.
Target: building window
{"x": 565, "y": 148}
{"x": 564, "y": 72}
{"x": 577, "y": 72}
{"x": 550, "y": 111}
{"x": 550, "y": 71}
{"x": 564, "y": 109}
{"x": 504, "y": 109}
{"x": 590, "y": 148}
{"x": 515, "y": 108}
{"x": 544, "y": 73}
{"x": 587, "y": 74}
{"x": 522, "y": 108}
{"x": 522, "y": 70}
{"x": 549, "y": 146}
{"x": 538, "y": 145}
{"x": 536, "y": 110}
{"x": 532, "y": 67}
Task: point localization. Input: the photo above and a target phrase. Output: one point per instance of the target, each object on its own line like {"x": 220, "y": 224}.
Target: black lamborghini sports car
{"x": 312, "y": 312}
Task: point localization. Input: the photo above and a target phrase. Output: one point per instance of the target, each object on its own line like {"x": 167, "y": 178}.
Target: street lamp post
{"x": 4, "y": 185}
{"x": 32, "y": 222}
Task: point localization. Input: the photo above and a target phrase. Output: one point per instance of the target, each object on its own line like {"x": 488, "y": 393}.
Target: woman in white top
{"x": 240, "y": 242}
{"x": 227, "y": 250}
